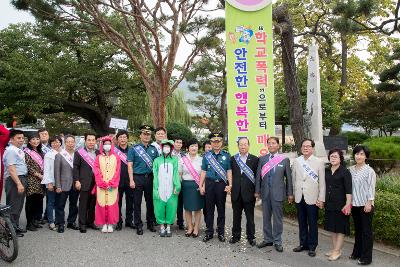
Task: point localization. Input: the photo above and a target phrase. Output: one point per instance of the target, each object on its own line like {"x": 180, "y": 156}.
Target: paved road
{"x": 125, "y": 248}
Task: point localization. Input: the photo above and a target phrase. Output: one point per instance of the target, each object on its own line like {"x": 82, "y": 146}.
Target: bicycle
{"x": 8, "y": 237}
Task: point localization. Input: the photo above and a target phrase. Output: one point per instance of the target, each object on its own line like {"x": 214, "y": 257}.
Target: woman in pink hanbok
{"x": 107, "y": 172}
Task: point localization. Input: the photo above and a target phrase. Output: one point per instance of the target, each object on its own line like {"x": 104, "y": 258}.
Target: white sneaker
{"x": 104, "y": 229}
{"x": 110, "y": 228}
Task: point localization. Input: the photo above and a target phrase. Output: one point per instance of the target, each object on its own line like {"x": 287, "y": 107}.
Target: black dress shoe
{"x": 36, "y": 224}
{"x": 207, "y": 238}
{"x": 352, "y": 257}
{"x": 312, "y": 253}
{"x": 139, "y": 231}
{"x": 82, "y": 229}
{"x": 130, "y": 225}
{"x": 93, "y": 226}
{"x": 181, "y": 227}
{"x": 31, "y": 227}
{"x": 360, "y": 262}
{"x": 60, "y": 229}
{"x": 278, "y": 248}
{"x": 252, "y": 242}
{"x": 234, "y": 240}
{"x": 119, "y": 226}
{"x": 19, "y": 234}
{"x": 299, "y": 249}
{"x": 221, "y": 238}
{"x": 20, "y": 230}
{"x": 151, "y": 228}
{"x": 72, "y": 226}
{"x": 265, "y": 244}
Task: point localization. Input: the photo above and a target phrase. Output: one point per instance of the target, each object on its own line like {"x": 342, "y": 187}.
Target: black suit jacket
{"x": 240, "y": 182}
{"x": 83, "y": 172}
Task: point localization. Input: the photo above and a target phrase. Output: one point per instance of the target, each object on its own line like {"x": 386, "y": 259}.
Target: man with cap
{"x": 215, "y": 183}
{"x": 140, "y": 170}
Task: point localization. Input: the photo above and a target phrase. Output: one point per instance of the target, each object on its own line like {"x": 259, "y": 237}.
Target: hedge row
{"x": 386, "y": 220}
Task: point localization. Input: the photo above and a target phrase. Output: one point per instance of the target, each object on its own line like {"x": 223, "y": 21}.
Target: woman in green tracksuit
{"x": 166, "y": 187}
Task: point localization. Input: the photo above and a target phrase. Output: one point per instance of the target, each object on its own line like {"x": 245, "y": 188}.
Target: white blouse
{"x": 184, "y": 172}
{"x": 364, "y": 181}
{"x": 48, "y": 169}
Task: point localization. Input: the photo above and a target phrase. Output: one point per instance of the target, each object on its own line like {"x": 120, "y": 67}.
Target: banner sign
{"x": 250, "y": 83}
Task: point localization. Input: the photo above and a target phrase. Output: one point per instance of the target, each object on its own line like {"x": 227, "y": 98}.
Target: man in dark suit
{"x": 271, "y": 185}
{"x": 84, "y": 182}
{"x": 244, "y": 167}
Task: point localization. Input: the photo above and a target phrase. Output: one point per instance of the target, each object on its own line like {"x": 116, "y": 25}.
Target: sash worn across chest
{"x": 144, "y": 156}
{"x": 308, "y": 170}
{"x": 86, "y": 157}
{"x": 245, "y": 169}
{"x": 216, "y": 166}
{"x": 191, "y": 169}
{"x": 35, "y": 156}
{"x": 68, "y": 158}
{"x": 271, "y": 164}
{"x": 121, "y": 155}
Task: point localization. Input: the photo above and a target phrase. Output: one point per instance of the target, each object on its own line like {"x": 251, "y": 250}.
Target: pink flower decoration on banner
{"x": 249, "y": 5}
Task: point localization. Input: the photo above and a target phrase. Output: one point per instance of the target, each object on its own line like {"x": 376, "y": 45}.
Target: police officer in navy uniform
{"x": 214, "y": 187}
{"x": 141, "y": 178}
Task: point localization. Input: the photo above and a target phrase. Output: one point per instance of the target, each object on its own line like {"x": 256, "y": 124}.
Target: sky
{"x": 9, "y": 15}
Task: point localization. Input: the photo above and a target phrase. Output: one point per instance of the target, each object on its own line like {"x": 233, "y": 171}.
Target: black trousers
{"x": 143, "y": 186}
{"x": 215, "y": 197}
{"x": 307, "y": 216}
{"x": 125, "y": 189}
{"x": 87, "y": 204}
{"x": 61, "y": 199}
{"x": 179, "y": 211}
{"x": 33, "y": 206}
{"x": 238, "y": 206}
{"x": 363, "y": 234}
{"x": 42, "y": 209}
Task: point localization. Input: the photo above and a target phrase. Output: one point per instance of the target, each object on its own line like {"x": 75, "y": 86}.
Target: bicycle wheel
{"x": 8, "y": 240}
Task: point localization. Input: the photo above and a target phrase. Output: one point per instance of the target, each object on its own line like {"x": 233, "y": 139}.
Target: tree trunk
{"x": 284, "y": 27}
{"x": 158, "y": 104}
{"x": 98, "y": 117}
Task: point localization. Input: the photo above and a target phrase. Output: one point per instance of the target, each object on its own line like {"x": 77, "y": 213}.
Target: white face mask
{"x": 107, "y": 148}
{"x": 166, "y": 149}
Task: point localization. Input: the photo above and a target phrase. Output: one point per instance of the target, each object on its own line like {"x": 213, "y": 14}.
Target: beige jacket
{"x": 304, "y": 185}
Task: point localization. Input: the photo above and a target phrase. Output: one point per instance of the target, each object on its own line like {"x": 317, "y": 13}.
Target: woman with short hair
{"x": 364, "y": 181}
{"x": 189, "y": 171}
{"x": 337, "y": 202}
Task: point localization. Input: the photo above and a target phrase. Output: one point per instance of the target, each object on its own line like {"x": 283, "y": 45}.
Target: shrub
{"x": 179, "y": 130}
{"x": 386, "y": 219}
{"x": 385, "y": 152}
{"x": 355, "y": 138}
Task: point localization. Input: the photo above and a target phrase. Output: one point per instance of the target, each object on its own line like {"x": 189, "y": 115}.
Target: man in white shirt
{"x": 308, "y": 174}
{"x": 160, "y": 134}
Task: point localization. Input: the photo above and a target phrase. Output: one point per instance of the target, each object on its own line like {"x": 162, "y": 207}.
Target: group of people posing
{"x": 175, "y": 182}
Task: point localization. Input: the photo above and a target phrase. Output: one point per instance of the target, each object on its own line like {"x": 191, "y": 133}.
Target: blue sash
{"x": 245, "y": 169}
{"x": 216, "y": 166}
{"x": 144, "y": 156}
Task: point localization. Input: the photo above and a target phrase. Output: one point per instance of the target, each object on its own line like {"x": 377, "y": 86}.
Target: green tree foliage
{"x": 49, "y": 70}
{"x": 179, "y": 130}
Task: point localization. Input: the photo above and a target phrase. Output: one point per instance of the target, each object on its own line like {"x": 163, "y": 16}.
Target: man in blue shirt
{"x": 15, "y": 171}
{"x": 215, "y": 183}
{"x": 140, "y": 171}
